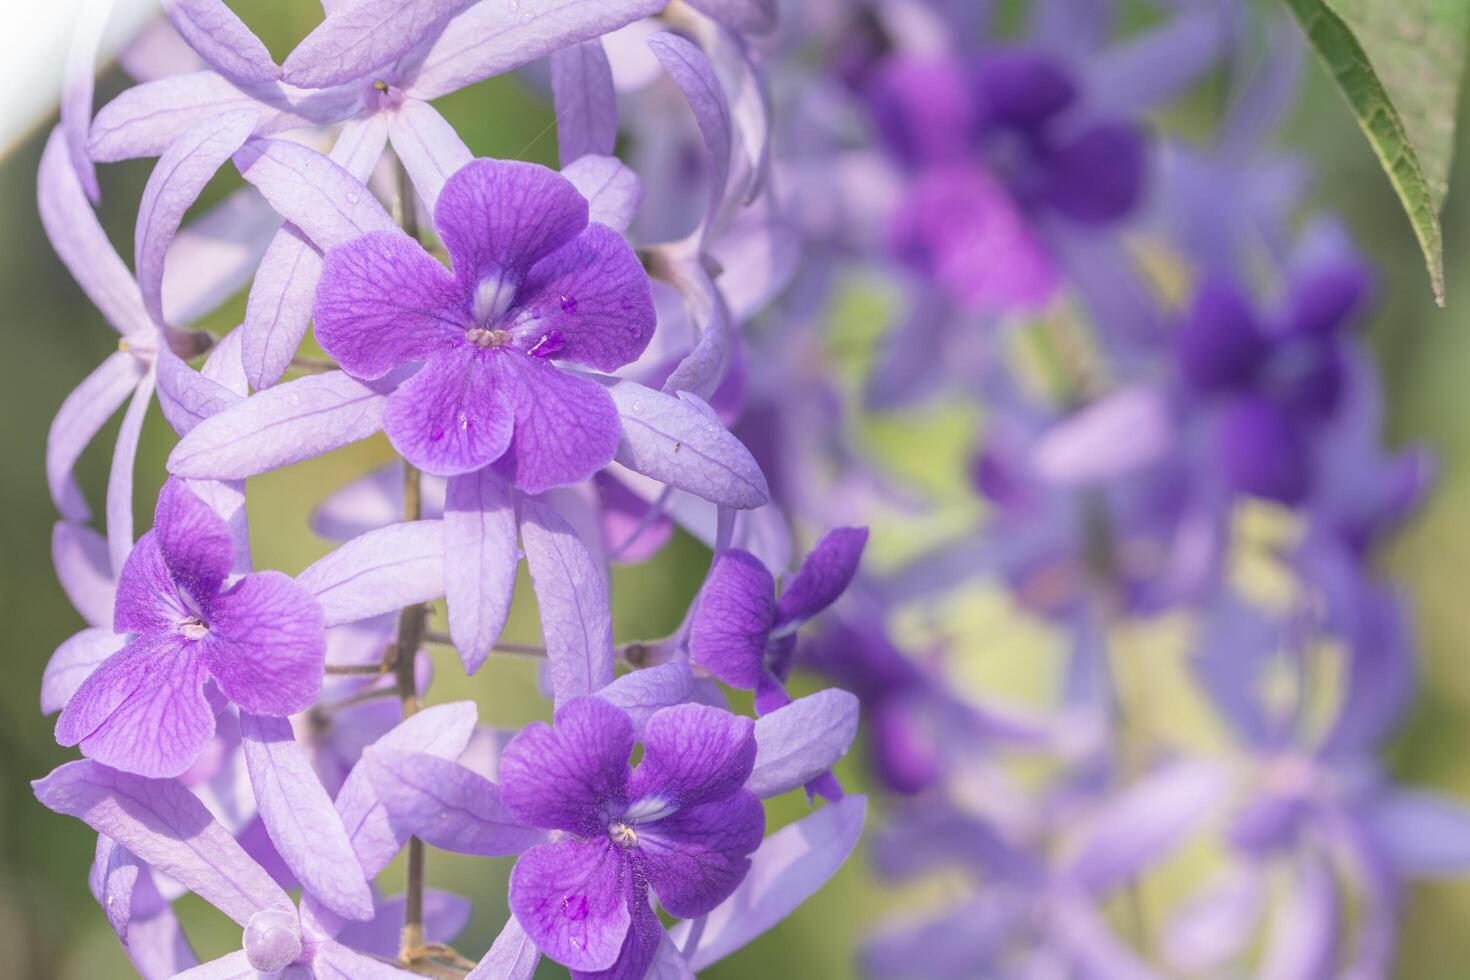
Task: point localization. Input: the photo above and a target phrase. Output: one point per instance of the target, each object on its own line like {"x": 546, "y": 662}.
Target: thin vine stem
{"x": 412, "y": 626}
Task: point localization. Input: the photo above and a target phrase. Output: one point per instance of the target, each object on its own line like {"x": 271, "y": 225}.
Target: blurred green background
{"x": 49, "y": 925}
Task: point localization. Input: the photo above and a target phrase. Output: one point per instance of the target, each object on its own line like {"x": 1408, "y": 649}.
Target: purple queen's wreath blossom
{"x": 681, "y": 824}
{"x": 976, "y": 171}
{"x": 532, "y": 283}
{"x": 258, "y": 640}
{"x": 744, "y": 635}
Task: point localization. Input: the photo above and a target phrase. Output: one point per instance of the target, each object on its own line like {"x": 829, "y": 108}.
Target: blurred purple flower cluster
{"x": 571, "y": 364}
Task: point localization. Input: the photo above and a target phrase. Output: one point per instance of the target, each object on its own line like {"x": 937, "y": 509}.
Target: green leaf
{"x": 1399, "y": 63}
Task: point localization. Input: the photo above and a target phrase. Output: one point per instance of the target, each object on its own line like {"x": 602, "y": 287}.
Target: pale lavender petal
{"x": 483, "y": 41}
{"x": 120, "y": 477}
{"x": 455, "y": 414}
{"x": 695, "y": 76}
{"x": 168, "y": 828}
{"x": 613, "y": 191}
{"x": 383, "y": 570}
{"x": 158, "y": 947}
{"x": 77, "y": 86}
{"x": 641, "y": 693}
{"x": 693, "y": 754}
{"x": 787, "y": 869}
{"x": 145, "y": 119}
{"x": 445, "y": 917}
{"x": 334, "y": 961}
{"x": 446, "y": 805}
{"x": 592, "y": 297}
{"x": 81, "y": 415}
{"x": 444, "y": 731}
{"x": 513, "y": 956}
{"x": 571, "y": 593}
{"x": 232, "y": 966}
{"x": 823, "y": 576}
{"x": 1153, "y": 67}
{"x": 1304, "y": 937}
{"x": 1216, "y": 924}
{"x": 733, "y": 617}
{"x": 704, "y": 367}
{"x": 113, "y": 876}
{"x": 157, "y": 51}
{"x": 1426, "y": 834}
{"x": 428, "y": 147}
{"x": 321, "y": 198}
{"x": 570, "y": 897}
{"x": 1107, "y": 440}
{"x": 306, "y": 830}
{"x": 1147, "y": 821}
{"x": 73, "y": 662}
{"x": 695, "y": 858}
{"x": 760, "y": 256}
{"x": 1085, "y": 938}
{"x": 265, "y": 647}
{"x": 280, "y": 305}
{"x": 750, "y": 109}
{"x": 84, "y": 570}
{"x": 371, "y": 501}
{"x": 221, "y": 39}
{"x": 360, "y": 36}
{"x": 222, "y": 364}
{"x": 799, "y": 742}
{"x": 677, "y": 440}
{"x": 185, "y": 168}
{"x": 282, "y": 425}
{"x": 566, "y": 426}
{"x": 585, "y": 101}
{"x": 668, "y": 963}
{"x": 745, "y": 16}
{"x": 186, "y": 396}
{"x": 384, "y": 300}
{"x": 77, "y": 236}
{"x": 498, "y": 218}
{"x": 142, "y": 711}
{"x": 563, "y": 777}
{"x": 480, "y": 546}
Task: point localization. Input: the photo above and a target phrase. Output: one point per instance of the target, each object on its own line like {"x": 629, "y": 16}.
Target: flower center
{"x": 493, "y": 298}
{"x": 485, "y": 337}
{"x": 194, "y": 628}
{"x": 622, "y": 835}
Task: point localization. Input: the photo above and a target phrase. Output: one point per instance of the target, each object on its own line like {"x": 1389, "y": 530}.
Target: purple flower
{"x": 682, "y": 823}
{"x": 994, "y": 144}
{"x": 1279, "y": 377}
{"x": 532, "y": 283}
{"x": 258, "y": 640}
{"x": 743, "y": 635}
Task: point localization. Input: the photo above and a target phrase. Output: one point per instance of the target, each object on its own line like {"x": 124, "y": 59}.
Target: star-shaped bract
{"x": 258, "y": 639}
{"x": 532, "y": 282}
{"x": 682, "y": 823}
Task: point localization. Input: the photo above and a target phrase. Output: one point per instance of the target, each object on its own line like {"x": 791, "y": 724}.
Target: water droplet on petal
{"x": 351, "y": 198}
{"x": 568, "y": 305}
{"x": 436, "y": 433}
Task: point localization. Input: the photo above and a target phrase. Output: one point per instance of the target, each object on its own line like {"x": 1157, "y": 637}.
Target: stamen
{"x": 193, "y": 628}
{"x": 487, "y": 337}
{"x": 622, "y": 835}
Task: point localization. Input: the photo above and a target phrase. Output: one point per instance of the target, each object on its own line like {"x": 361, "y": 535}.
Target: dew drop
{"x": 574, "y": 907}
{"x": 568, "y": 304}
{"x": 436, "y": 433}
{"x": 351, "y": 198}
